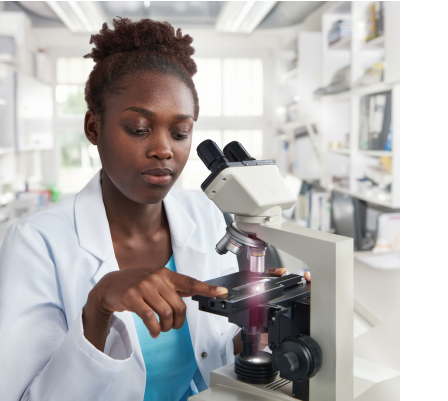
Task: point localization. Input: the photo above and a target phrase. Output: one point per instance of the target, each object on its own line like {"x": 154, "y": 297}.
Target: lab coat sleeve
{"x": 41, "y": 358}
{"x": 229, "y": 265}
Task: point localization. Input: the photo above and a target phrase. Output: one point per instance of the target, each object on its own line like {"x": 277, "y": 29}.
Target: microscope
{"x": 311, "y": 338}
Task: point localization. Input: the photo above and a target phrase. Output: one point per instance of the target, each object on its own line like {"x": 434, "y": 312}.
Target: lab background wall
{"x": 288, "y": 94}
{"x": 275, "y": 90}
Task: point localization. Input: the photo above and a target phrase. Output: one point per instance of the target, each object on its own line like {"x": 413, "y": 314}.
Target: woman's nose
{"x": 159, "y": 147}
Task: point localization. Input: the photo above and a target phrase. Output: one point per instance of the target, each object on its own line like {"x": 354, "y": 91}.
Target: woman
{"x": 81, "y": 283}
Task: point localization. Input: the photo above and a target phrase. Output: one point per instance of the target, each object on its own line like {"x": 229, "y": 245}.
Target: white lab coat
{"x": 50, "y": 261}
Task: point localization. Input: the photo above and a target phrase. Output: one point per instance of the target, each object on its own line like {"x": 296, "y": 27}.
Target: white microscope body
{"x": 256, "y": 193}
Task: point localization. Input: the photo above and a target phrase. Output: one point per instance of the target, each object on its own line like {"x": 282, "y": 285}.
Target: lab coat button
{"x": 203, "y": 355}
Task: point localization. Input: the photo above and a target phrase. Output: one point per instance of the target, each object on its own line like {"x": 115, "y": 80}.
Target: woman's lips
{"x": 157, "y": 176}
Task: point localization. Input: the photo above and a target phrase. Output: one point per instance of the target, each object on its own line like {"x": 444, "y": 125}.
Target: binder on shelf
{"x": 375, "y": 122}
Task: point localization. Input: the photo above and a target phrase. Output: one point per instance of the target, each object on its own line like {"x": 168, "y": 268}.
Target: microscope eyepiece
{"x": 210, "y": 154}
{"x": 235, "y": 152}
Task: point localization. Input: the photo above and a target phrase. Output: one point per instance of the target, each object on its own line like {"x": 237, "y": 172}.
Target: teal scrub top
{"x": 169, "y": 360}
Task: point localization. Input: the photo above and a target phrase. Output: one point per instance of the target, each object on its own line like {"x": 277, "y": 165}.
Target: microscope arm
{"x": 330, "y": 260}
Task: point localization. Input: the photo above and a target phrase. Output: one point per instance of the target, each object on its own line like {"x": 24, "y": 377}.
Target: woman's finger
{"x": 277, "y": 271}
{"x": 163, "y": 310}
{"x": 185, "y": 294}
{"x": 178, "y": 306}
{"x": 307, "y": 276}
{"x": 189, "y": 285}
{"x": 144, "y": 312}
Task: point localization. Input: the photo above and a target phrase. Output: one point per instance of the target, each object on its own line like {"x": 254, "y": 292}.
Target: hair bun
{"x": 146, "y": 34}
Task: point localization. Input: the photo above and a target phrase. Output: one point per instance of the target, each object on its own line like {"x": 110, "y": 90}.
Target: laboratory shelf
{"x": 340, "y": 151}
{"x": 374, "y": 44}
{"x": 359, "y": 91}
{"x": 290, "y": 74}
{"x": 35, "y": 148}
{"x": 342, "y": 44}
{"x": 294, "y": 124}
{"x": 4, "y": 151}
{"x": 376, "y": 153}
{"x": 367, "y": 198}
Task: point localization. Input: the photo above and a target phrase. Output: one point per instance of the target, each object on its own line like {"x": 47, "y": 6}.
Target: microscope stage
{"x": 247, "y": 290}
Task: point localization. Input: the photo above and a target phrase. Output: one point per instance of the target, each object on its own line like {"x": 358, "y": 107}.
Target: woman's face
{"x": 144, "y": 138}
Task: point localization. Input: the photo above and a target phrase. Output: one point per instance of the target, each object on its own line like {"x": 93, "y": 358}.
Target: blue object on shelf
{"x": 389, "y": 140}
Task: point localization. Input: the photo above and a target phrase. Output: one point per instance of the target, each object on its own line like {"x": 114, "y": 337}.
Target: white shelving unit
{"x": 340, "y": 112}
{"x": 337, "y": 115}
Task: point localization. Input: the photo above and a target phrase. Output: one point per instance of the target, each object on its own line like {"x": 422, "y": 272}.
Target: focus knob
{"x": 297, "y": 358}
{"x": 287, "y": 362}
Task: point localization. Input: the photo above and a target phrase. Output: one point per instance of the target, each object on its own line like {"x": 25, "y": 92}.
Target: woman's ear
{"x": 91, "y": 127}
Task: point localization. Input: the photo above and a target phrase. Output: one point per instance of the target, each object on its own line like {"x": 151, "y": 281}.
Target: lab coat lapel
{"x": 91, "y": 221}
{"x": 94, "y": 236}
{"x": 189, "y": 260}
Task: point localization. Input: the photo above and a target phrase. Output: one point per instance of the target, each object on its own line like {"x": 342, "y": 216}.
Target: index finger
{"x": 189, "y": 285}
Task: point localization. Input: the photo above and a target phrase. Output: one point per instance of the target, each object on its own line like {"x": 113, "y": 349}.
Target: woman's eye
{"x": 137, "y": 131}
{"x": 179, "y": 136}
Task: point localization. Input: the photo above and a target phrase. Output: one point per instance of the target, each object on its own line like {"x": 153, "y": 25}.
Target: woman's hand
{"x": 145, "y": 292}
{"x": 280, "y": 272}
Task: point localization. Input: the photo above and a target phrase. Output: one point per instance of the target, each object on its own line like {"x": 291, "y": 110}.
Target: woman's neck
{"x": 129, "y": 218}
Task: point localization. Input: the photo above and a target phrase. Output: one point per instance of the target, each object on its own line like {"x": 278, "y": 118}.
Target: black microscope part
{"x": 215, "y": 160}
{"x": 235, "y": 152}
{"x": 256, "y": 370}
{"x": 297, "y": 358}
{"x": 280, "y": 306}
{"x": 210, "y": 154}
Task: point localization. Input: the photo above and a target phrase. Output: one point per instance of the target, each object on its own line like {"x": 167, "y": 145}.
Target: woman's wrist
{"x": 95, "y": 307}
{"x": 96, "y": 322}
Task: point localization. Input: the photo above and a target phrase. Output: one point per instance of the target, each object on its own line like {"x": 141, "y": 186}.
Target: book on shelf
{"x": 375, "y": 20}
{"x": 340, "y": 29}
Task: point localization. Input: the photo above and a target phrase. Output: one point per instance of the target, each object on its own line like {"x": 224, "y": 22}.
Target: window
{"x": 79, "y": 161}
{"x": 243, "y": 87}
{"x": 208, "y": 82}
{"x": 230, "y": 86}
{"x": 227, "y": 88}
{"x": 72, "y": 74}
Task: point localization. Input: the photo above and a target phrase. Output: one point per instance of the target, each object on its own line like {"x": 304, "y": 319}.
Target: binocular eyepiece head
{"x": 212, "y": 156}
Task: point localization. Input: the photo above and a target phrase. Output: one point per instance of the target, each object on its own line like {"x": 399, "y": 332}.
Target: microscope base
{"x": 225, "y": 386}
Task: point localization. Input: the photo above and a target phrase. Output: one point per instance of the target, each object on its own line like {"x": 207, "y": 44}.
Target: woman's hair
{"x": 133, "y": 48}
